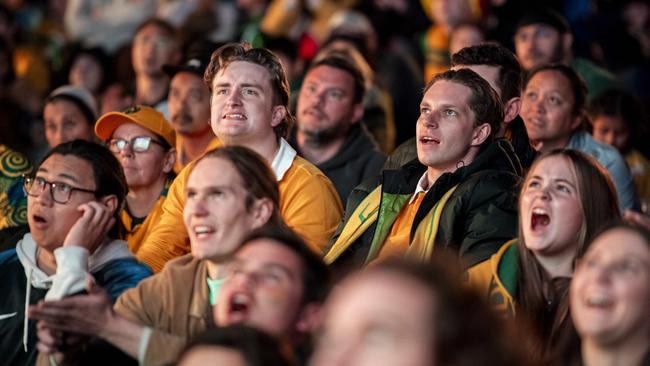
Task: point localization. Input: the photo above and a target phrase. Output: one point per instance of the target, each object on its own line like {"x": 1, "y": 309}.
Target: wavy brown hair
{"x": 599, "y": 205}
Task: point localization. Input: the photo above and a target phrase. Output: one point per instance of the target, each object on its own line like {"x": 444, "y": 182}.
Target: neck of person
{"x": 548, "y": 145}
{"x": 318, "y": 152}
{"x": 434, "y": 172}
{"x": 558, "y": 265}
{"x": 630, "y": 351}
{"x": 140, "y": 200}
{"x": 149, "y": 90}
{"x": 192, "y": 146}
{"x": 268, "y": 147}
{"x": 45, "y": 261}
{"x": 216, "y": 269}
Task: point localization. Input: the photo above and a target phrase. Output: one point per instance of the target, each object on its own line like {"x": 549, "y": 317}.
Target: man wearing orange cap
{"x": 142, "y": 140}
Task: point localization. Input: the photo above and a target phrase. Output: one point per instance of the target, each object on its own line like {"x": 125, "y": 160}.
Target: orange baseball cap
{"x": 146, "y": 117}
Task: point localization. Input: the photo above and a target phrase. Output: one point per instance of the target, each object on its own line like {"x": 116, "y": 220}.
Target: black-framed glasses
{"x": 59, "y": 191}
{"x": 138, "y": 144}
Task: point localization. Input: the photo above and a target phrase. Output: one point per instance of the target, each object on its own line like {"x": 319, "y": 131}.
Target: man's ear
{"x": 511, "y": 109}
{"x": 481, "y": 133}
{"x": 310, "y": 318}
{"x": 110, "y": 201}
{"x": 262, "y": 210}
{"x": 170, "y": 159}
{"x": 277, "y": 115}
{"x": 357, "y": 113}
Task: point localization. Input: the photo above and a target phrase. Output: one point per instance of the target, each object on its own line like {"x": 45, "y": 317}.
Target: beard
{"x": 322, "y": 136}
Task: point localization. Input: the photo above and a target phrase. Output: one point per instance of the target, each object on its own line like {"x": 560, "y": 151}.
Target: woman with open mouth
{"x": 566, "y": 198}
{"x": 610, "y": 298}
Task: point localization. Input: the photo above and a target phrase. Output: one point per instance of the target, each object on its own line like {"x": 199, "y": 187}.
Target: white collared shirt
{"x": 283, "y": 159}
{"x": 423, "y": 186}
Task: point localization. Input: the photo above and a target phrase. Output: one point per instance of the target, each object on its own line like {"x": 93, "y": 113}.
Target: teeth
{"x": 539, "y": 211}
{"x": 202, "y": 229}
{"x": 239, "y": 299}
{"x": 598, "y": 300}
{"x": 235, "y": 115}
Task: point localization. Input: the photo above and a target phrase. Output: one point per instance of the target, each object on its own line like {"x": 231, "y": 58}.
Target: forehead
{"x": 186, "y": 78}
{"x": 152, "y": 30}
{"x": 554, "y": 167}
{"x": 609, "y": 121}
{"x": 214, "y": 171}
{"x": 621, "y": 242}
{"x": 550, "y": 80}
{"x": 58, "y": 165}
{"x": 60, "y": 107}
{"x": 131, "y": 129}
{"x": 329, "y": 75}
{"x": 487, "y": 72}
{"x": 384, "y": 292}
{"x": 534, "y": 28}
{"x": 448, "y": 93}
{"x": 243, "y": 72}
{"x": 263, "y": 252}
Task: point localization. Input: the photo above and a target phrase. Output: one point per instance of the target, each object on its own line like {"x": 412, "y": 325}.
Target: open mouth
{"x": 539, "y": 219}
{"x": 39, "y": 219}
{"x": 599, "y": 301}
{"x": 239, "y": 308}
{"x": 202, "y": 231}
{"x": 235, "y": 116}
{"x": 426, "y": 140}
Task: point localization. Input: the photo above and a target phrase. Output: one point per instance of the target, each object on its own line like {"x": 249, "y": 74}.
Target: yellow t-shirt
{"x": 309, "y": 205}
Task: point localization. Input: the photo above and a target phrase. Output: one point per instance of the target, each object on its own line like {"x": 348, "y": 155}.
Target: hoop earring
{"x": 460, "y": 164}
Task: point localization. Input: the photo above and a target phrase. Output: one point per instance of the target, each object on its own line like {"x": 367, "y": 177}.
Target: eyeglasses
{"x": 61, "y": 192}
{"x": 138, "y": 144}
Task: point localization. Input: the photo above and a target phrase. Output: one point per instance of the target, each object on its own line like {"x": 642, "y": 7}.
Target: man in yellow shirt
{"x": 143, "y": 141}
{"x": 249, "y": 107}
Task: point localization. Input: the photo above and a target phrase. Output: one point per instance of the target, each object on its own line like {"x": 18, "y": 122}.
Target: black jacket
{"x": 358, "y": 159}
{"x": 479, "y": 217}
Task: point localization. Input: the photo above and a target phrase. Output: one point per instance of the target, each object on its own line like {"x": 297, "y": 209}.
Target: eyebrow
{"x": 243, "y": 85}
{"x": 61, "y": 175}
{"x": 561, "y": 180}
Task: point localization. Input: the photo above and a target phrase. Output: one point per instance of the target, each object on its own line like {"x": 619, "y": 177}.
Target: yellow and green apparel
{"x": 496, "y": 278}
{"x": 13, "y": 201}
{"x": 470, "y": 212}
{"x": 136, "y": 229}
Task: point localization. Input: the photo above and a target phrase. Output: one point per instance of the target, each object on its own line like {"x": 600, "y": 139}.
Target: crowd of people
{"x": 357, "y": 182}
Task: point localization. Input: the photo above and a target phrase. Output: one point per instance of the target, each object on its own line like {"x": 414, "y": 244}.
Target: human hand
{"x": 637, "y": 218}
{"x": 81, "y": 314}
{"x": 91, "y": 228}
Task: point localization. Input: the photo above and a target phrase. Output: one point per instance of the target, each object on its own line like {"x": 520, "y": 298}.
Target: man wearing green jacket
{"x": 460, "y": 194}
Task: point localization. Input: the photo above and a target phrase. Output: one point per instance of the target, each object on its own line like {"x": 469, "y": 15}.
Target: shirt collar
{"x": 283, "y": 159}
{"x": 423, "y": 186}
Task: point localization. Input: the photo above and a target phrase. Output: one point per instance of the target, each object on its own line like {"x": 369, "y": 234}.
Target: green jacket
{"x": 496, "y": 278}
{"x": 480, "y": 215}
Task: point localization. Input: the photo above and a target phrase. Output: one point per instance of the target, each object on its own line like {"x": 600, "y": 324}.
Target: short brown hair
{"x": 484, "y": 101}
{"x": 254, "y": 173}
{"x": 232, "y": 52}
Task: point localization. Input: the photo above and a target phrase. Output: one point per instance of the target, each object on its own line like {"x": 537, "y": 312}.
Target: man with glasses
{"x": 142, "y": 140}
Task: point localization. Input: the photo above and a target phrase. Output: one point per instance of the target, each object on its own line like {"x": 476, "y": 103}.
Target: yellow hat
{"x": 146, "y": 117}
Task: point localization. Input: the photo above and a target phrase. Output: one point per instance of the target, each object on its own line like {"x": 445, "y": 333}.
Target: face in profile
{"x": 445, "y": 129}
{"x": 64, "y": 122}
{"x": 263, "y": 289}
{"x": 49, "y": 220}
{"x": 610, "y": 295}
{"x": 366, "y": 323}
{"x": 550, "y": 211}
{"x": 215, "y": 212}
{"x": 547, "y": 110}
